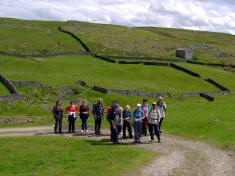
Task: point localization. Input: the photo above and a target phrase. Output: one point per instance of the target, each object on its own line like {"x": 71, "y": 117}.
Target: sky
{"x": 206, "y": 15}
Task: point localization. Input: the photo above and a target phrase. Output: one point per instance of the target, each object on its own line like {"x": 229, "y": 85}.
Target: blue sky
{"x": 210, "y": 15}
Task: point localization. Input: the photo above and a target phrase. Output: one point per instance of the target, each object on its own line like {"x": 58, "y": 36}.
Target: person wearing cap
{"x": 138, "y": 116}
{"x": 126, "y": 122}
{"x": 161, "y": 105}
{"x": 71, "y": 110}
{"x": 145, "y": 108}
{"x": 153, "y": 122}
{"x": 110, "y": 112}
{"x": 116, "y": 121}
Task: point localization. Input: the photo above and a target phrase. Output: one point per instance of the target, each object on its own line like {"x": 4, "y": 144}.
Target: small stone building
{"x": 186, "y": 53}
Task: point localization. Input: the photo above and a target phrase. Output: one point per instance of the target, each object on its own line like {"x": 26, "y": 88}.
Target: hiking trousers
{"x": 116, "y": 132}
{"x": 138, "y": 130}
{"x": 71, "y": 123}
{"x": 58, "y": 125}
{"x": 98, "y": 125}
{"x": 127, "y": 125}
{"x": 154, "y": 128}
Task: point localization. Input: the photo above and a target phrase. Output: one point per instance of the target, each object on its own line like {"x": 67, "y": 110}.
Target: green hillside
{"x": 34, "y": 37}
{"x": 3, "y": 90}
{"x": 156, "y": 42}
{"x": 208, "y": 46}
{"x": 66, "y": 70}
{"x": 196, "y": 116}
{"x": 219, "y": 74}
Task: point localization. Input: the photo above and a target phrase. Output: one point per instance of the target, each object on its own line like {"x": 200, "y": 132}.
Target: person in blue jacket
{"x": 138, "y": 116}
{"x": 126, "y": 122}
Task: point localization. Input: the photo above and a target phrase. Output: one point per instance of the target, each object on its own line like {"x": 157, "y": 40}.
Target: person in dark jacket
{"x": 116, "y": 121}
{"x": 98, "y": 112}
{"x": 84, "y": 114}
{"x": 126, "y": 122}
{"x": 58, "y": 115}
{"x": 111, "y": 111}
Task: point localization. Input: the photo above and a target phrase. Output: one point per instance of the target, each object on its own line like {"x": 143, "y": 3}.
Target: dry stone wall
{"x": 8, "y": 84}
{"x": 124, "y": 92}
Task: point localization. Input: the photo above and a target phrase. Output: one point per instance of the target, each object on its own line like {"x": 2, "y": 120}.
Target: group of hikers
{"x": 143, "y": 117}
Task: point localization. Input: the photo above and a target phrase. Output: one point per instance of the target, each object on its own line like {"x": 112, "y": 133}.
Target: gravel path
{"x": 176, "y": 157}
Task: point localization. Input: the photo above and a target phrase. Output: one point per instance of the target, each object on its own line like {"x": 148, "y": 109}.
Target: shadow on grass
{"x": 103, "y": 142}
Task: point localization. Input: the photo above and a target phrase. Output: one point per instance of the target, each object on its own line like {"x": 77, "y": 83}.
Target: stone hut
{"x": 186, "y": 53}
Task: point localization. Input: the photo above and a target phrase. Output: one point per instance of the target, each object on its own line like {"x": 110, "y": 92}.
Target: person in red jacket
{"x": 72, "y": 109}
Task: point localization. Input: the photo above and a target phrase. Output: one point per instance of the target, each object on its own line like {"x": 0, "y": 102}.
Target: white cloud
{"x": 211, "y": 15}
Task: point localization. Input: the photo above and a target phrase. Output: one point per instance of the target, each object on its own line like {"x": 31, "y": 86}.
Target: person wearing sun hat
{"x": 138, "y": 116}
{"x": 161, "y": 105}
{"x": 153, "y": 122}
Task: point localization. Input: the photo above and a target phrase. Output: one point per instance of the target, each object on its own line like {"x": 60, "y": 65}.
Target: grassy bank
{"x": 212, "y": 122}
{"x": 67, "y": 157}
{"x": 34, "y": 37}
{"x": 66, "y": 70}
{"x": 3, "y": 90}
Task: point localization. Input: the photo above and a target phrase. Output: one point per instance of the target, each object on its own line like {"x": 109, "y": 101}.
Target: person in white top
{"x": 153, "y": 122}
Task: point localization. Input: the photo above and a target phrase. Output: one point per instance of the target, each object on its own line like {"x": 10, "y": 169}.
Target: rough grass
{"x": 67, "y": 157}
{"x": 66, "y": 70}
{"x": 3, "y": 90}
{"x": 34, "y": 37}
{"x": 221, "y": 47}
{"x": 188, "y": 117}
{"x": 42, "y": 37}
{"x": 212, "y": 122}
{"x": 218, "y": 74}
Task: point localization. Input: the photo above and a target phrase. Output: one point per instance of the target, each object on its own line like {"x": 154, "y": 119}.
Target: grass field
{"x": 34, "y": 37}
{"x": 211, "y": 122}
{"x": 43, "y": 37}
{"x": 158, "y": 42}
{"x": 188, "y": 117}
{"x": 226, "y": 78}
{"x": 66, "y": 70}
{"x": 67, "y": 157}
{"x": 3, "y": 90}
{"x": 208, "y": 46}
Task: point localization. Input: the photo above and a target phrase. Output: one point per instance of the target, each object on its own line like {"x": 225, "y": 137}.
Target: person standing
{"x": 153, "y": 122}
{"x": 161, "y": 105}
{"x": 126, "y": 122}
{"x": 58, "y": 115}
{"x": 98, "y": 112}
{"x": 138, "y": 116}
{"x": 145, "y": 108}
{"x": 116, "y": 121}
{"x": 110, "y": 112}
{"x": 84, "y": 114}
{"x": 72, "y": 109}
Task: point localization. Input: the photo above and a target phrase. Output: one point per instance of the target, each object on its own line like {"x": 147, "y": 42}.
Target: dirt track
{"x": 176, "y": 157}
